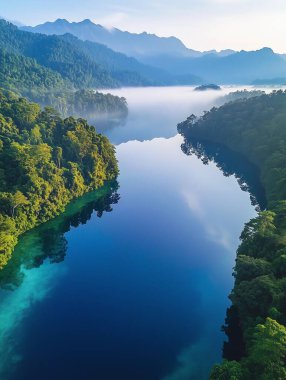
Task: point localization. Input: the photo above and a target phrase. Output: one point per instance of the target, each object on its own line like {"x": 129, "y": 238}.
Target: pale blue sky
{"x": 200, "y": 24}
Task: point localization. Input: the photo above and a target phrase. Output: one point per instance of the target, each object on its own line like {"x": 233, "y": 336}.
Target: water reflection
{"x": 31, "y": 277}
{"x": 155, "y": 112}
{"x": 230, "y": 163}
{"x": 138, "y": 288}
{"x": 48, "y": 240}
{"x": 234, "y": 164}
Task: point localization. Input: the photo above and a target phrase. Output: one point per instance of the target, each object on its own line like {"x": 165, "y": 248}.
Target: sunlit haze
{"x": 200, "y": 24}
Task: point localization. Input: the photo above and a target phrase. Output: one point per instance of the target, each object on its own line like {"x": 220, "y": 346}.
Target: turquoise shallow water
{"x": 132, "y": 281}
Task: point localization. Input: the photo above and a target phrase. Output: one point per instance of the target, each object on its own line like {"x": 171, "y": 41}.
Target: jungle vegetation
{"x": 27, "y": 78}
{"x": 45, "y": 162}
{"x": 256, "y": 320}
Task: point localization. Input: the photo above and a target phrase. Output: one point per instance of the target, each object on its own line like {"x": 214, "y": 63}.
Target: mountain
{"x": 25, "y": 76}
{"x": 171, "y": 55}
{"x": 56, "y": 54}
{"x": 136, "y": 45}
{"x": 132, "y": 44}
{"x": 242, "y": 67}
{"x": 128, "y": 69}
{"x": 84, "y": 63}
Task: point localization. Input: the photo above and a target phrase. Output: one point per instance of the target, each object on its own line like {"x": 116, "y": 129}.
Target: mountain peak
{"x": 86, "y": 21}
{"x": 267, "y": 50}
{"x": 61, "y": 21}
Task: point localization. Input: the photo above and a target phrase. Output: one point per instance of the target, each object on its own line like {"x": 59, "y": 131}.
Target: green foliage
{"x": 266, "y": 356}
{"x": 70, "y": 60}
{"x": 228, "y": 370}
{"x": 89, "y": 104}
{"x": 255, "y": 127}
{"x": 266, "y": 359}
{"x": 45, "y": 162}
{"x": 56, "y": 54}
{"x": 240, "y": 94}
{"x": 248, "y": 268}
{"x": 25, "y": 76}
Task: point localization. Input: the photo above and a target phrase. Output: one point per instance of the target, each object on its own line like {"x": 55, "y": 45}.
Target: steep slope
{"x": 128, "y": 69}
{"x": 56, "y": 54}
{"x": 140, "y": 45}
{"x": 128, "y": 43}
{"x": 172, "y": 56}
{"x": 85, "y": 64}
{"x": 25, "y": 76}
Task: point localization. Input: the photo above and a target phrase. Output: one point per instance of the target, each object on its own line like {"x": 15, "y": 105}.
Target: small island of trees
{"x": 206, "y": 87}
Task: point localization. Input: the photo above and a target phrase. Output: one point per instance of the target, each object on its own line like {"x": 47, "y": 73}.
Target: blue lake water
{"x": 131, "y": 283}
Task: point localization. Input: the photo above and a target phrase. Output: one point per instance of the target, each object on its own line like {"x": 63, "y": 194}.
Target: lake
{"x": 132, "y": 281}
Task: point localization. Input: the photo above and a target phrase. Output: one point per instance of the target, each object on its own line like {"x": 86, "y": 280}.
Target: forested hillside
{"x": 126, "y": 69}
{"x": 90, "y": 105}
{"x": 85, "y": 64}
{"x": 26, "y": 76}
{"x": 45, "y": 162}
{"x": 70, "y": 58}
{"x": 55, "y": 80}
{"x": 256, "y": 321}
{"x": 56, "y": 54}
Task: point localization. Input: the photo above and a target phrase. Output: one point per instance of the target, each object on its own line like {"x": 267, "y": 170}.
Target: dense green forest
{"x": 239, "y": 94}
{"x": 56, "y": 54}
{"x": 206, "y": 87}
{"x": 48, "y": 240}
{"x": 45, "y": 162}
{"x": 83, "y": 64}
{"x": 26, "y": 77}
{"x": 90, "y": 105}
{"x": 256, "y": 321}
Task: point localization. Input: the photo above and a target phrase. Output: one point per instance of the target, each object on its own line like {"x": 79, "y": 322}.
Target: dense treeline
{"x": 48, "y": 241}
{"x": 83, "y": 64}
{"x": 45, "y": 161}
{"x": 53, "y": 75}
{"x": 56, "y": 54}
{"x": 240, "y": 94}
{"x": 87, "y": 104}
{"x": 256, "y": 321}
{"x": 45, "y": 86}
{"x": 90, "y": 105}
{"x": 23, "y": 75}
{"x": 254, "y": 127}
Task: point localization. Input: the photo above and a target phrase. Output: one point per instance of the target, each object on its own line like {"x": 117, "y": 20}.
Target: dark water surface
{"x": 131, "y": 283}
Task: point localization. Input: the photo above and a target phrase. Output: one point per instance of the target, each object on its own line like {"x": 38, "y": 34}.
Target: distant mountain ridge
{"x": 84, "y": 64}
{"x": 133, "y": 44}
{"x": 242, "y": 67}
{"x": 175, "y": 63}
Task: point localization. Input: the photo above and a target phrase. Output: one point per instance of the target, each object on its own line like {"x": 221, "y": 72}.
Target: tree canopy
{"x": 45, "y": 161}
{"x": 256, "y": 128}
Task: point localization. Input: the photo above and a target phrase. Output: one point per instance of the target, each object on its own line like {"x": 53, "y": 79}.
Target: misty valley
{"x": 142, "y": 192}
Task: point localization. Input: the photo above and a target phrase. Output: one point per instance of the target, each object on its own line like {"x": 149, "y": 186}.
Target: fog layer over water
{"x": 141, "y": 292}
{"x": 156, "y": 111}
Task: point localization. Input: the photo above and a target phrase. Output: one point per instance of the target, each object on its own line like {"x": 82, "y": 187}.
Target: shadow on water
{"x": 230, "y": 163}
{"x": 247, "y": 175}
{"x": 48, "y": 241}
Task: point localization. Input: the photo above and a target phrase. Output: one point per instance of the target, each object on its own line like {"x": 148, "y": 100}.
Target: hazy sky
{"x": 200, "y": 24}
